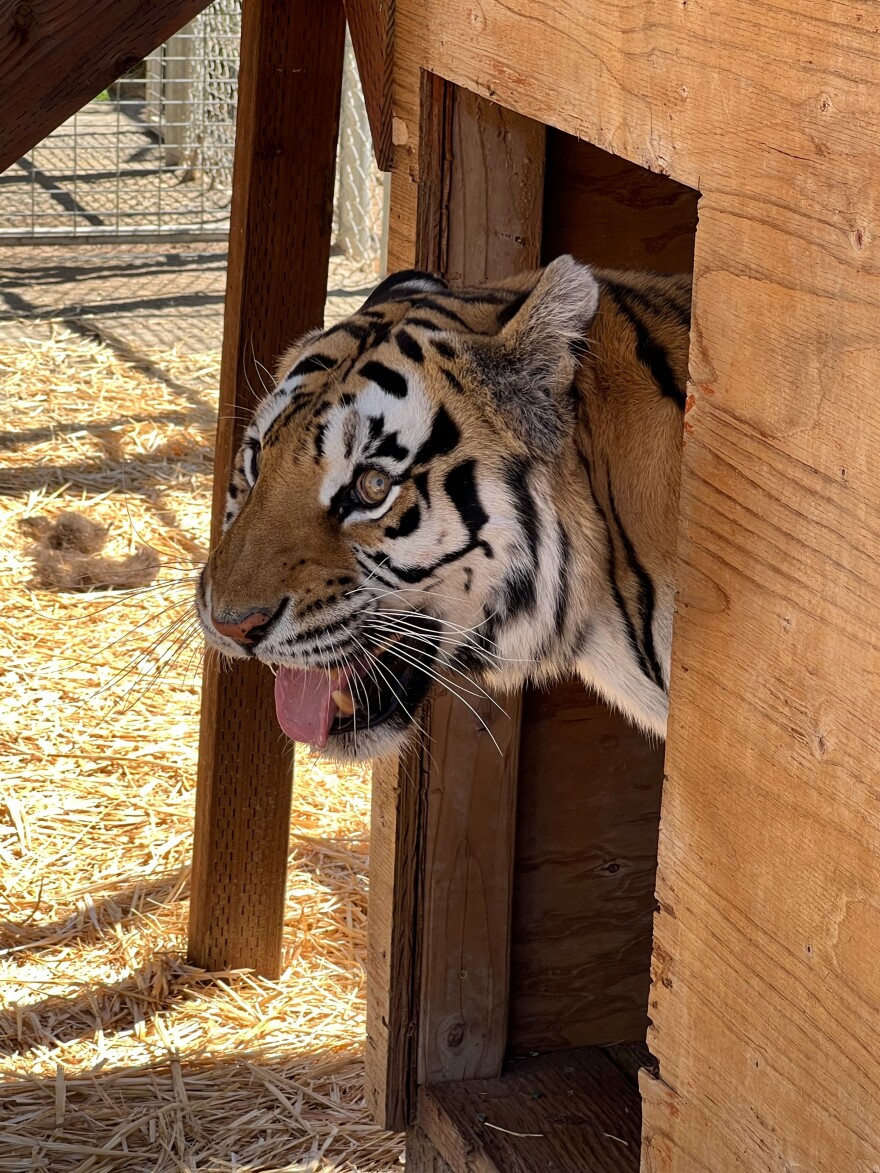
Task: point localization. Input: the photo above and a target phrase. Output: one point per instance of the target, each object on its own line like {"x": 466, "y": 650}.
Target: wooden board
{"x": 586, "y": 857}
{"x": 765, "y": 971}
{"x": 56, "y": 55}
{"x": 371, "y": 23}
{"x": 569, "y": 1113}
{"x": 492, "y": 189}
{"x": 399, "y": 794}
{"x": 461, "y": 840}
{"x": 279, "y": 247}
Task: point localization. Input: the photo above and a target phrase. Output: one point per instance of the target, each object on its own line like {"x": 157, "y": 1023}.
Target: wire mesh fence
{"x": 150, "y": 159}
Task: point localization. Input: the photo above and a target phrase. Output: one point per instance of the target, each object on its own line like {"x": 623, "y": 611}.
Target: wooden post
{"x": 450, "y": 810}
{"x": 288, "y": 114}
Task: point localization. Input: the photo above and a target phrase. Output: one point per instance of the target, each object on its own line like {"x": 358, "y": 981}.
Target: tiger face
{"x": 409, "y": 506}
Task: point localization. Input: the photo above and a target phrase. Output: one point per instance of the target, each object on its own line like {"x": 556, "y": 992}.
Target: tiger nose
{"x": 247, "y": 631}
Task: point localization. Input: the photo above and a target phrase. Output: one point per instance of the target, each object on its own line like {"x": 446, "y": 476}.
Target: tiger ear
{"x": 527, "y": 367}
{"x": 404, "y": 283}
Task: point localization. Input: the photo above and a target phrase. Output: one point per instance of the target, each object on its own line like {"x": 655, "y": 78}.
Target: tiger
{"x": 476, "y": 486}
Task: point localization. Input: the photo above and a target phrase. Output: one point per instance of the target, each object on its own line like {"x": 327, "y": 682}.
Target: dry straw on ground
{"x": 115, "y": 1055}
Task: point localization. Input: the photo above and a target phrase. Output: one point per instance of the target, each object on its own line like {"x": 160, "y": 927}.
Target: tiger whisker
{"x": 449, "y": 668}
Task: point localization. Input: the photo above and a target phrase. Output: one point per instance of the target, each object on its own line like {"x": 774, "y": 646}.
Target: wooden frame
{"x": 764, "y": 966}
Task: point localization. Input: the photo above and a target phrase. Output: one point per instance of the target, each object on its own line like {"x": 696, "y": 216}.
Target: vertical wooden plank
{"x": 413, "y": 906}
{"x": 491, "y": 166}
{"x": 371, "y": 23}
{"x": 397, "y": 815}
{"x": 289, "y": 92}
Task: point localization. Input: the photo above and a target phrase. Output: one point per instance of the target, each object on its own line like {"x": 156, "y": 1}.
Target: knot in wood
{"x": 23, "y": 19}
{"x": 455, "y": 1035}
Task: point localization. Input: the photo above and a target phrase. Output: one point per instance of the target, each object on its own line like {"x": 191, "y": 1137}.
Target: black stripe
{"x": 408, "y": 524}
{"x": 564, "y": 546}
{"x": 519, "y": 592}
{"x": 409, "y": 346}
{"x": 391, "y": 448}
{"x": 312, "y": 362}
{"x": 646, "y": 593}
{"x": 452, "y": 380}
{"x": 373, "y": 572}
{"x": 422, "y": 323}
{"x": 654, "y": 300}
{"x": 461, "y": 485}
{"x": 393, "y": 287}
{"x": 443, "y": 438}
{"x": 612, "y": 578}
{"x": 320, "y": 432}
{"x": 512, "y": 308}
{"x": 516, "y": 474}
{"x": 443, "y": 347}
{"x": 420, "y": 480}
{"x": 478, "y": 296}
{"x": 650, "y": 353}
{"x": 354, "y": 330}
{"x": 389, "y": 380}
{"x": 444, "y": 311}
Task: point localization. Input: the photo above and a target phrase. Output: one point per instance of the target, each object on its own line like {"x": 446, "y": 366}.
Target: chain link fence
{"x": 150, "y": 159}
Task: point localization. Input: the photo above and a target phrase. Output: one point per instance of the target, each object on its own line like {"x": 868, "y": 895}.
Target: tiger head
{"x": 392, "y": 518}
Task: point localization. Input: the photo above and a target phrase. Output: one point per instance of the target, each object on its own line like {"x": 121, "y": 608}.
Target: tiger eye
{"x": 373, "y": 486}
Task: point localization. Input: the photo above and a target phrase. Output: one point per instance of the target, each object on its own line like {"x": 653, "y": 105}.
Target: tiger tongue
{"x": 304, "y": 703}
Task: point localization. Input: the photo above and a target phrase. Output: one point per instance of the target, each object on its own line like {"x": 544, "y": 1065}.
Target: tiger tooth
{"x": 343, "y": 702}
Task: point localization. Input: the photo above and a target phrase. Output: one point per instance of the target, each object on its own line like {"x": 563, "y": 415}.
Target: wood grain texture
{"x": 491, "y": 166}
{"x": 56, "y": 55}
{"x": 441, "y": 869}
{"x": 586, "y": 858}
{"x": 422, "y": 1155}
{"x": 371, "y": 23}
{"x": 467, "y": 878}
{"x": 279, "y": 247}
{"x": 399, "y": 791}
{"x": 764, "y": 965}
{"x": 568, "y": 1113}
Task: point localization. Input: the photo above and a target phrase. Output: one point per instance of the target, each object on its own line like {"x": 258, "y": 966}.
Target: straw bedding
{"x": 114, "y": 1054}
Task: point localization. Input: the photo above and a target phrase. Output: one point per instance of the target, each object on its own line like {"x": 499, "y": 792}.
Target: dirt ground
{"x": 114, "y": 1055}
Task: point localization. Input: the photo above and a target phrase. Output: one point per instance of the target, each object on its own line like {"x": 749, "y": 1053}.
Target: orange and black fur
{"x": 466, "y": 485}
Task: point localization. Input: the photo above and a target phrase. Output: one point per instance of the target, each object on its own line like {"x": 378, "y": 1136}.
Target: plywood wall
{"x": 766, "y": 974}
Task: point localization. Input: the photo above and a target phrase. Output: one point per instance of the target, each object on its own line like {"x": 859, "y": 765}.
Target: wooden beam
{"x": 397, "y": 816}
{"x": 465, "y": 1024}
{"x": 371, "y": 23}
{"x": 56, "y": 55}
{"x": 279, "y": 248}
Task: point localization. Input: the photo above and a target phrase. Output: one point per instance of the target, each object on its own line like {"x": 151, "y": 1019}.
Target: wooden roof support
{"x": 56, "y": 55}
{"x": 371, "y": 23}
{"x": 279, "y": 249}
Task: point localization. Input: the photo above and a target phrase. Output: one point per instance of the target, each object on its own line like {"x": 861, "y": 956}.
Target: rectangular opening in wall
{"x": 587, "y": 783}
